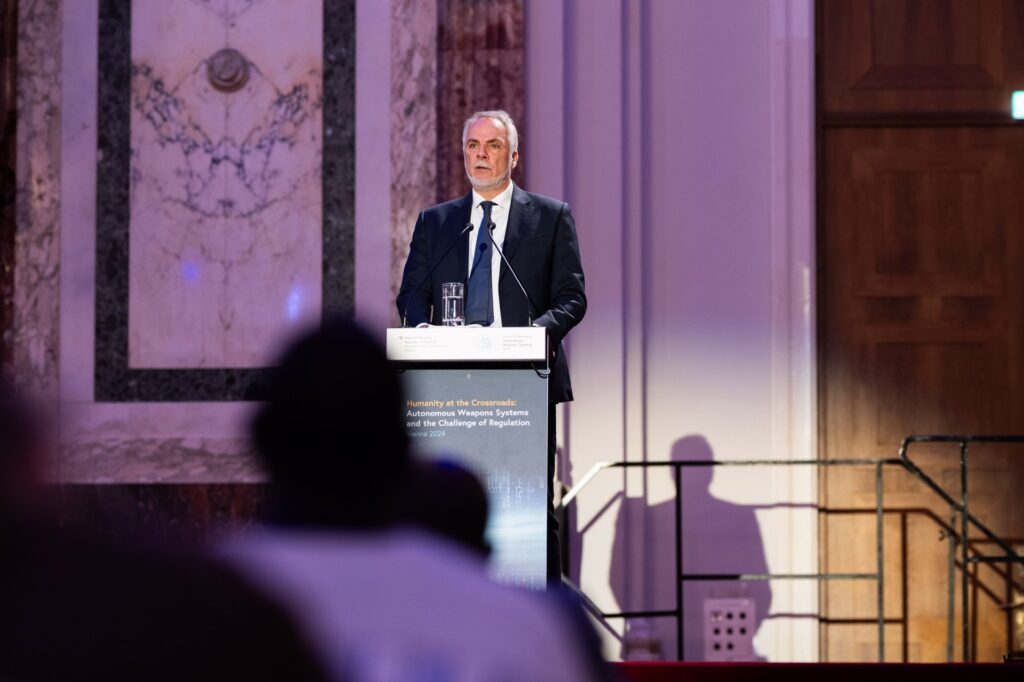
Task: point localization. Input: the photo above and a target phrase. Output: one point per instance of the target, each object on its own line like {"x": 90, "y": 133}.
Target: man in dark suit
{"x": 537, "y": 235}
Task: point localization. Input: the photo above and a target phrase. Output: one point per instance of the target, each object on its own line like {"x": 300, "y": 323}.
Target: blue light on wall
{"x": 1017, "y": 104}
{"x": 293, "y": 305}
{"x": 190, "y": 271}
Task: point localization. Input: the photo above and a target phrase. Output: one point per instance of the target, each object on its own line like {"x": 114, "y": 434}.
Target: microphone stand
{"x": 530, "y": 307}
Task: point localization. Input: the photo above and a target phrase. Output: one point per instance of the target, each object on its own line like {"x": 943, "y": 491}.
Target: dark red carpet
{"x": 820, "y": 672}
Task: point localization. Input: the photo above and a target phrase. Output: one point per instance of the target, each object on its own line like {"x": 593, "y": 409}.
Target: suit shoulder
{"x": 442, "y": 210}
{"x": 546, "y": 202}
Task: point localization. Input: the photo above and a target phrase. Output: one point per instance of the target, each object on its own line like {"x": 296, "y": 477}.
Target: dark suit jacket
{"x": 541, "y": 244}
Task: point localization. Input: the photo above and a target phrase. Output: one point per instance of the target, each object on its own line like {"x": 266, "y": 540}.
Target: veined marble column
{"x": 414, "y": 97}
{"x": 33, "y": 333}
{"x": 8, "y": 153}
{"x": 480, "y": 67}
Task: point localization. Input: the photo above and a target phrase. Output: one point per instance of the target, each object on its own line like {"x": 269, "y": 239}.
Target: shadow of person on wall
{"x": 718, "y": 537}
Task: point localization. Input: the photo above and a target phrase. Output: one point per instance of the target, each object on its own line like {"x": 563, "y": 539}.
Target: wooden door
{"x": 921, "y": 286}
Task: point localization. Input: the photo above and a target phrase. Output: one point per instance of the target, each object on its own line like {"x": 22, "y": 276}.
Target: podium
{"x": 479, "y": 396}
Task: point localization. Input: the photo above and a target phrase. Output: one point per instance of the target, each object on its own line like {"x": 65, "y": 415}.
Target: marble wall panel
{"x": 225, "y": 193}
{"x": 224, "y": 220}
{"x": 374, "y": 302}
{"x": 184, "y": 426}
{"x": 33, "y": 334}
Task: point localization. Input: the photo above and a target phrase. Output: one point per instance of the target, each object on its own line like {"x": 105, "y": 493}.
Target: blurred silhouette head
{"x": 22, "y": 445}
{"x": 446, "y": 499}
{"x": 331, "y": 432}
{"x": 694, "y": 449}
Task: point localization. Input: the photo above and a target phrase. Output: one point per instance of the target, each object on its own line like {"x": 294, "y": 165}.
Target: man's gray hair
{"x": 498, "y": 115}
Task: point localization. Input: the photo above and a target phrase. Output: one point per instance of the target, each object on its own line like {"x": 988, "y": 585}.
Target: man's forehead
{"x": 486, "y": 128}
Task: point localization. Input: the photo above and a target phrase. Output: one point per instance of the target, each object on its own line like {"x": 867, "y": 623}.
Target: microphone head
{"x": 491, "y": 226}
{"x": 469, "y": 227}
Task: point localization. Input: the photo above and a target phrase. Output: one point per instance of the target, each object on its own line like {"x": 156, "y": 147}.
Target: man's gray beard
{"x": 480, "y": 187}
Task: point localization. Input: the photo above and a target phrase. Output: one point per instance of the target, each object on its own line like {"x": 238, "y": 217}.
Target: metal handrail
{"x": 681, "y": 576}
{"x": 961, "y": 508}
{"x": 903, "y": 460}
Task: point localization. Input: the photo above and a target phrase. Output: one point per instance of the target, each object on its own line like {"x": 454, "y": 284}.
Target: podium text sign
{"x": 479, "y": 396}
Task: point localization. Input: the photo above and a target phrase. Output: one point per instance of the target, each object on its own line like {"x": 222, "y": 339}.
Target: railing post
{"x": 679, "y": 563}
{"x": 951, "y": 590}
{"x": 880, "y": 560}
{"x": 965, "y": 624}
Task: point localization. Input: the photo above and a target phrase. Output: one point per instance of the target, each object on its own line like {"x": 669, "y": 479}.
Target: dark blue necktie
{"x": 479, "y": 308}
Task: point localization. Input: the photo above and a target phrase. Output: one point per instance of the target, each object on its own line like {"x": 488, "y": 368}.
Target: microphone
{"x": 530, "y": 307}
{"x": 405, "y": 311}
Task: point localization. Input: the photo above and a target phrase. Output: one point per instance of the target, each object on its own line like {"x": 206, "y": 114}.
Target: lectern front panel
{"x": 494, "y": 421}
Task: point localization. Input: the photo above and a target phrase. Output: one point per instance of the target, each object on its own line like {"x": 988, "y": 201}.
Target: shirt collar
{"x": 503, "y": 200}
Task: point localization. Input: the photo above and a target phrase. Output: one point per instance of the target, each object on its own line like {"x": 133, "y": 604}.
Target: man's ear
{"x": 515, "y": 158}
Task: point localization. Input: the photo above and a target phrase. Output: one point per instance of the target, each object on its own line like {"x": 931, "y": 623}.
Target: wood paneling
{"x": 923, "y": 281}
{"x": 921, "y": 55}
{"x": 921, "y": 295}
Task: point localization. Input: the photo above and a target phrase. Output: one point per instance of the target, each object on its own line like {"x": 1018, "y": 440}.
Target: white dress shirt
{"x": 499, "y": 216}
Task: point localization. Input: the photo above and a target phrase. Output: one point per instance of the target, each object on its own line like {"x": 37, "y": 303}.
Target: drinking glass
{"x": 453, "y": 300}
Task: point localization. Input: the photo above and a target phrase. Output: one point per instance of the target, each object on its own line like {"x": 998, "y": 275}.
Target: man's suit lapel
{"x": 520, "y": 218}
{"x": 453, "y": 224}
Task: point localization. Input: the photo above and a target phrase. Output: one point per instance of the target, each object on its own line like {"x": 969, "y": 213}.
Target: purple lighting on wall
{"x": 293, "y": 304}
{"x": 190, "y": 271}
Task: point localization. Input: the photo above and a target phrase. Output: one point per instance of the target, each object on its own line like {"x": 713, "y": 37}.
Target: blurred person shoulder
{"x": 79, "y": 608}
{"x": 387, "y": 595}
{"x": 76, "y": 607}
